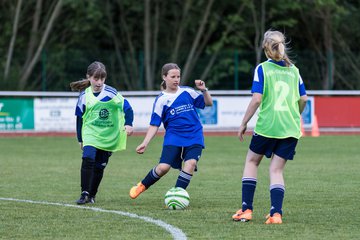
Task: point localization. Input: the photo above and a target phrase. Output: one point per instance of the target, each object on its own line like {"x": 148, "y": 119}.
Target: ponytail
{"x": 287, "y": 60}
{"x": 79, "y": 86}
{"x": 163, "y": 85}
{"x": 275, "y": 47}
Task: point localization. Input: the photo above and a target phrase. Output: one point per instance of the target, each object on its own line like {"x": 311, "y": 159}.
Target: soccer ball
{"x": 177, "y": 198}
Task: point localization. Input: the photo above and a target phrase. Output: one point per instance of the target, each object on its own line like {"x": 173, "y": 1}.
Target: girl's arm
{"x": 129, "y": 117}
{"x": 250, "y": 111}
{"x": 151, "y": 132}
{"x": 302, "y": 103}
{"x": 207, "y": 97}
{"x": 79, "y": 124}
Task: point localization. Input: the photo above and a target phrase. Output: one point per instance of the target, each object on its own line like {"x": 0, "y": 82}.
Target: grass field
{"x": 322, "y": 192}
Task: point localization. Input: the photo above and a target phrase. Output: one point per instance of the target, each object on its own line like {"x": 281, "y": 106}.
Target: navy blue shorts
{"x": 284, "y": 148}
{"x": 100, "y": 157}
{"x": 174, "y": 155}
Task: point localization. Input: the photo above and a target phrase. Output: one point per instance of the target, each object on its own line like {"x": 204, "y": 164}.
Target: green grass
{"x": 321, "y": 199}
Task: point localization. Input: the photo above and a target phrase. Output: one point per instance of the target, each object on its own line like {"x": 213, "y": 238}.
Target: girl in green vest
{"x": 279, "y": 93}
{"x": 104, "y": 120}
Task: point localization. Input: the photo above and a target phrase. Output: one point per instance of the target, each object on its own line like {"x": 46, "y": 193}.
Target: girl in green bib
{"x": 104, "y": 120}
{"x": 279, "y": 93}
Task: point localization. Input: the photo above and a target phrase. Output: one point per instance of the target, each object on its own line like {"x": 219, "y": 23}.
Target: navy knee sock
{"x": 183, "y": 179}
{"x": 150, "y": 178}
{"x": 248, "y": 191}
{"x": 277, "y": 192}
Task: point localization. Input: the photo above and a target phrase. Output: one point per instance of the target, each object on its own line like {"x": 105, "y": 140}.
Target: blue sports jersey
{"x": 258, "y": 82}
{"x": 177, "y": 112}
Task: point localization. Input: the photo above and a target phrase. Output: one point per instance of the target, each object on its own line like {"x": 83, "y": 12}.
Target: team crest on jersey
{"x": 104, "y": 114}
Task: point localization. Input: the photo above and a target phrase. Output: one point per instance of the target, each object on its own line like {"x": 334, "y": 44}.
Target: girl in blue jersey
{"x": 104, "y": 119}
{"x": 183, "y": 140}
{"x": 280, "y": 93}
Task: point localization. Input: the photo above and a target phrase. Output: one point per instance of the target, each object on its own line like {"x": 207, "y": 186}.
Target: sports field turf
{"x": 321, "y": 201}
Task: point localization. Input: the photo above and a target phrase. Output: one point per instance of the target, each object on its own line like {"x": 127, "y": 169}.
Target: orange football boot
{"x": 137, "y": 190}
{"x": 275, "y": 219}
{"x": 243, "y": 216}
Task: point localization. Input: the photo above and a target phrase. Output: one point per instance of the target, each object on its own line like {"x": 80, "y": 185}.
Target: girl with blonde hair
{"x": 279, "y": 92}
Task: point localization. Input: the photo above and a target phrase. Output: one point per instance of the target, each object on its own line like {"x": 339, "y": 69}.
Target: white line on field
{"x": 176, "y": 233}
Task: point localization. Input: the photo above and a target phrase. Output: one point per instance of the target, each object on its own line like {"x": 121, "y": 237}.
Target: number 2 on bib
{"x": 282, "y": 89}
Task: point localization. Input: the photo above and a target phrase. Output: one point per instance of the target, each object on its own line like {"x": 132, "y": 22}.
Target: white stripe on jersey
{"x": 107, "y": 91}
{"x": 256, "y": 76}
{"x": 167, "y": 99}
{"x": 300, "y": 78}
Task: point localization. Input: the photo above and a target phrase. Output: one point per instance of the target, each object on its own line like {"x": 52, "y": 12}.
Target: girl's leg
{"x": 152, "y": 177}
{"x": 101, "y": 161}
{"x": 86, "y": 173}
{"x": 249, "y": 179}
{"x": 168, "y": 156}
{"x": 248, "y": 186}
{"x": 277, "y": 184}
{"x": 186, "y": 174}
{"x": 155, "y": 174}
{"x": 190, "y": 155}
{"x": 97, "y": 177}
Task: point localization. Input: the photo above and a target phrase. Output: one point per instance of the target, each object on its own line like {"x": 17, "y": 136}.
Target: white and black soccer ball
{"x": 177, "y": 198}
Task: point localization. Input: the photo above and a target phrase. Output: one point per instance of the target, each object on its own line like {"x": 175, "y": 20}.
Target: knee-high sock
{"x": 277, "y": 192}
{"x": 248, "y": 191}
{"x": 183, "y": 179}
{"x": 150, "y": 178}
{"x": 86, "y": 172}
{"x": 97, "y": 177}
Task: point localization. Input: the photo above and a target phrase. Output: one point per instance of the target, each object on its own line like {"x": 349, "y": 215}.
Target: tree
{"x": 28, "y": 68}
{"x": 13, "y": 38}
{"x": 217, "y": 41}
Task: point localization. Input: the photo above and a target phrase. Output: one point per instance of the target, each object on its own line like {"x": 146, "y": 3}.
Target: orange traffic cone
{"x": 315, "y": 128}
{"x": 302, "y": 127}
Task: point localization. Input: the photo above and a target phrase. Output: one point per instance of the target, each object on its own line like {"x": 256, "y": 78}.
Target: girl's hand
{"x": 129, "y": 130}
{"x": 141, "y": 148}
{"x": 241, "y": 132}
{"x": 200, "y": 84}
{"x": 81, "y": 145}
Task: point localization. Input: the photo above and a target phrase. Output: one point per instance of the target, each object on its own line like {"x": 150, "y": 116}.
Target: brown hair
{"x": 275, "y": 46}
{"x": 96, "y": 70}
{"x": 165, "y": 70}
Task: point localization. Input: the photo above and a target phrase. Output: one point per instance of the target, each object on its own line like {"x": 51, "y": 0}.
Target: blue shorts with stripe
{"x": 284, "y": 148}
{"x": 174, "y": 155}
{"x": 100, "y": 157}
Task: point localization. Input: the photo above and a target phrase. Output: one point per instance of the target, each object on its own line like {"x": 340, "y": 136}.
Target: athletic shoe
{"x": 91, "y": 200}
{"x": 242, "y": 216}
{"x": 275, "y": 219}
{"x": 84, "y": 198}
{"x": 137, "y": 190}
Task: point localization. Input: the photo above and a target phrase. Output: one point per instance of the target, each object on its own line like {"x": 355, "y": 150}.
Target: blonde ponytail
{"x": 275, "y": 47}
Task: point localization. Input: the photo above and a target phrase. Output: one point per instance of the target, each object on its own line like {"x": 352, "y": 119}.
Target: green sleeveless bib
{"x": 103, "y": 123}
{"x": 279, "y": 115}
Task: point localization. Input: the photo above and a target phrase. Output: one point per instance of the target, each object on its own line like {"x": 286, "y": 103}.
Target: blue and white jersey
{"x": 258, "y": 82}
{"x": 177, "y": 112}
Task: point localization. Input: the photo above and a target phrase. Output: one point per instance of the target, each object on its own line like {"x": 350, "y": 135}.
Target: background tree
{"x": 13, "y": 38}
{"x": 47, "y": 44}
